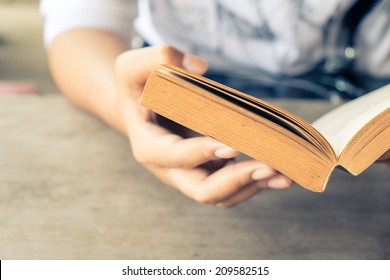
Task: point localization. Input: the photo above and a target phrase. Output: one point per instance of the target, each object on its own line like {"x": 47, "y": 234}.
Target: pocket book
{"x": 351, "y": 136}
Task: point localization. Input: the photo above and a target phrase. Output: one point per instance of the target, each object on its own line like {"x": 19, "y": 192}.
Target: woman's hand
{"x": 200, "y": 167}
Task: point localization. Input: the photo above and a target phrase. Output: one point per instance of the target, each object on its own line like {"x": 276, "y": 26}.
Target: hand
{"x": 200, "y": 167}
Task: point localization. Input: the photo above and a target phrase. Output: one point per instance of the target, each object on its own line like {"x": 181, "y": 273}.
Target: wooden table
{"x": 70, "y": 189}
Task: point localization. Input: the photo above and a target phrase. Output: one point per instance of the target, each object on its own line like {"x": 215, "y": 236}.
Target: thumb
{"x": 194, "y": 63}
{"x": 134, "y": 67}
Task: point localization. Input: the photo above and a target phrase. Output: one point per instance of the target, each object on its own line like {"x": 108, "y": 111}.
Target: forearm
{"x": 82, "y": 64}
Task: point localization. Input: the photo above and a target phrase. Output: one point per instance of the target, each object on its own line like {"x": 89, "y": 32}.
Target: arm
{"x": 93, "y": 68}
{"x": 82, "y": 63}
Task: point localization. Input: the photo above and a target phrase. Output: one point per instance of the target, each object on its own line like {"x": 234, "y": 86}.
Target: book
{"x": 351, "y": 136}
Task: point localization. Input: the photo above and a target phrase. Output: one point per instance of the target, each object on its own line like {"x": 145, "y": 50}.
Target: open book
{"x": 352, "y": 136}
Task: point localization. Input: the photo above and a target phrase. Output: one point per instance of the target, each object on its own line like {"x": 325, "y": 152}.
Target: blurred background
{"x": 22, "y": 55}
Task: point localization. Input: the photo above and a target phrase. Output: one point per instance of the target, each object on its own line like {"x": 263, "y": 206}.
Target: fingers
{"x": 196, "y": 166}
{"x": 225, "y": 187}
{"x": 230, "y": 185}
{"x": 278, "y": 181}
{"x": 246, "y": 193}
{"x": 171, "y": 151}
{"x": 220, "y": 185}
{"x": 194, "y": 63}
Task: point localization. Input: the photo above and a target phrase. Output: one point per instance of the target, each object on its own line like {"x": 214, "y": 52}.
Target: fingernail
{"x": 226, "y": 152}
{"x": 262, "y": 173}
{"x": 279, "y": 182}
{"x": 194, "y": 63}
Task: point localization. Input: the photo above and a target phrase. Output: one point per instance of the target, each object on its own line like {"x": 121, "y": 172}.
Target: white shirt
{"x": 279, "y": 36}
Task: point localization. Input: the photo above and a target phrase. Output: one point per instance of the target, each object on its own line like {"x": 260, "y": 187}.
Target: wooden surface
{"x": 70, "y": 189}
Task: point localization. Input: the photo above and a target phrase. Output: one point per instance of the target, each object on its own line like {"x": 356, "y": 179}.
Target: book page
{"x": 341, "y": 124}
